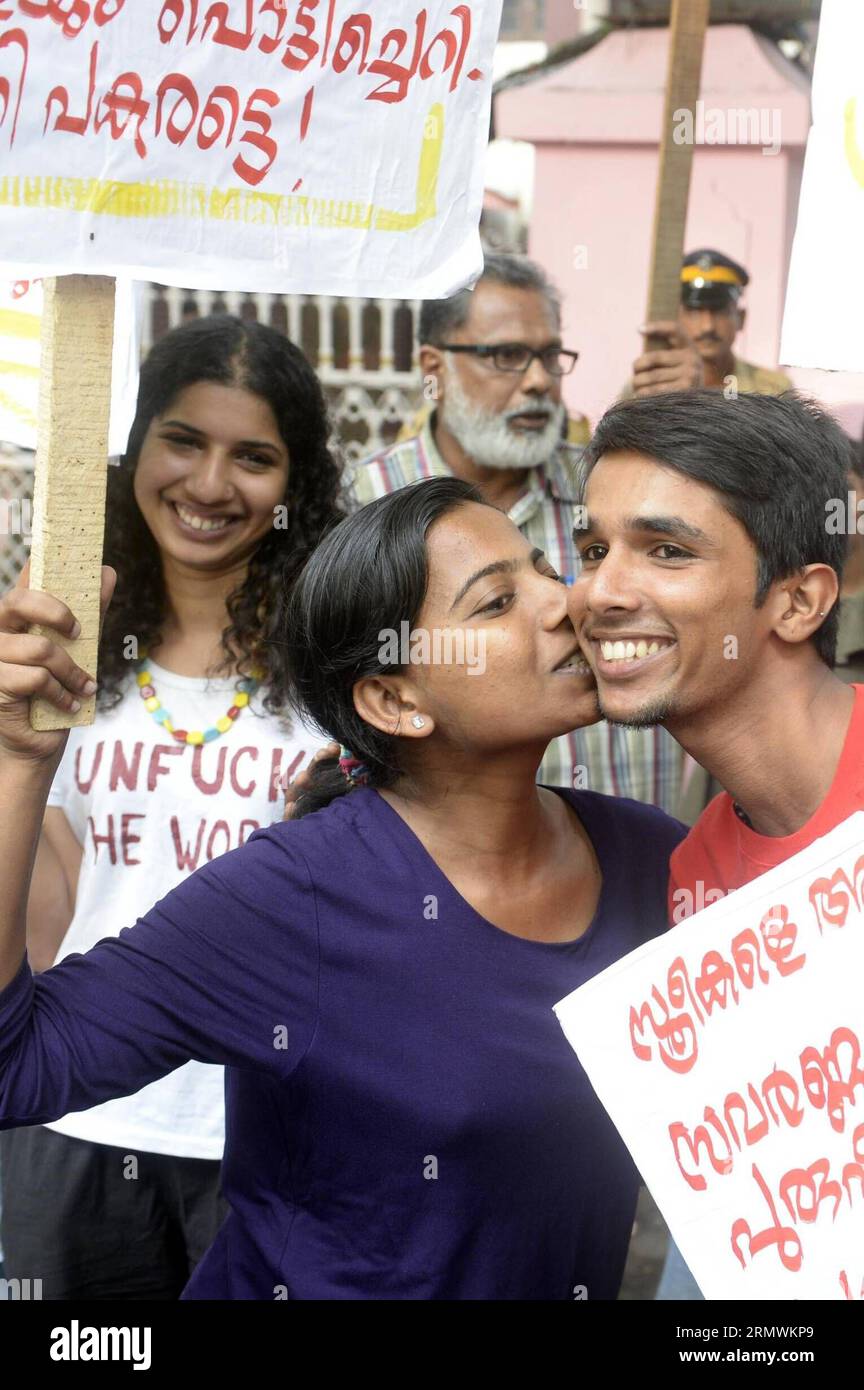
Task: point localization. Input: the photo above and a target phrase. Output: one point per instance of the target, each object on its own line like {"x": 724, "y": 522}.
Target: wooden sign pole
{"x": 688, "y": 22}
{"x": 72, "y": 465}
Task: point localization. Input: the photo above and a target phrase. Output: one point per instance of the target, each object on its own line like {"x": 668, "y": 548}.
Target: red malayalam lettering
{"x": 176, "y": 82}
{"x": 783, "y": 1088}
{"x": 178, "y": 112}
{"x": 454, "y": 49}
{"x": 302, "y": 47}
{"x": 677, "y": 1037}
{"x": 71, "y": 15}
{"x": 832, "y": 898}
{"x": 259, "y": 140}
{"x": 223, "y": 33}
{"x": 779, "y": 934}
{"x": 124, "y": 106}
{"x": 717, "y": 985}
{"x": 398, "y": 75}
{"x": 214, "y": 112}
{"x": 829, "y": 1079}
{"x": 803, "y": 1192}
{"x": 785, "y": 1238}
{"x": 268, "y": 43}
{"x": 13, "y": 36}
{"x": 355, "y": 37}
{"x": 116, "y": 103}
{"x": 76, "y": 125}
{"x": 715, "y": 982}
{"x": 175, "y": 10}
{"x": 746, "y": 953}
{"x": 808, "y": 1194}
{"x": 700, "y": 1138}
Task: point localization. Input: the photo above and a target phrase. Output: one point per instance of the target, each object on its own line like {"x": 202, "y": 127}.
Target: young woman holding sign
{"x": 226, "y": 486}
{"x": 405, "y": 1117}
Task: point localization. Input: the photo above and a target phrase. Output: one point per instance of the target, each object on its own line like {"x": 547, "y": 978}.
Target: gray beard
{"x": 486, "y": 435}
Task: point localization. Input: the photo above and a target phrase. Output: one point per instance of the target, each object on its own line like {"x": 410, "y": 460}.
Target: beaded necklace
{"x": 147, "y": 691}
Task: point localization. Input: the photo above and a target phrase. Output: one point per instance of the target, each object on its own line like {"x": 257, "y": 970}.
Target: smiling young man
{"x": 707, "y": 603}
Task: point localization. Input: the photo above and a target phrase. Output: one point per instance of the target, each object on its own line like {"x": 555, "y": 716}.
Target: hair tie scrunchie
{"x": 356, "y": 774}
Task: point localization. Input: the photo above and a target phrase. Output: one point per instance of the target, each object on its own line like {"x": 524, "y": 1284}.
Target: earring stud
{"x": 418, "y": 721}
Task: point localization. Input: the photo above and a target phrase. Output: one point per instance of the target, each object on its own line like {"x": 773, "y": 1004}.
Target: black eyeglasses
{"x": 517, "y": 357}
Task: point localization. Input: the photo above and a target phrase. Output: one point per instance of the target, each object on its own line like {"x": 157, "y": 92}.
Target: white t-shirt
{"x": 148, "y": 811}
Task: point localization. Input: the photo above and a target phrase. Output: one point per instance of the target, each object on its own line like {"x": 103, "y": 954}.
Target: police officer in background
{"x": 711, "y": 315}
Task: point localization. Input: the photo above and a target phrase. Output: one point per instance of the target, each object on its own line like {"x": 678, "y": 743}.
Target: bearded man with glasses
{"x": 493, "y": 360}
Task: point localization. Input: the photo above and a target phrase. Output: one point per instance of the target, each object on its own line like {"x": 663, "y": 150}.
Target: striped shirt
{"x": 644, "y": 764}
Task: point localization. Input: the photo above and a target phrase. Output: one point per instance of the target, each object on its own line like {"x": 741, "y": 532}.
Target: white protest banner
{"x": 20, "y": 326}
{"x": 311, "y": 146}
{"x": 825, "y": 292}
{"x": 728, "y": 1054}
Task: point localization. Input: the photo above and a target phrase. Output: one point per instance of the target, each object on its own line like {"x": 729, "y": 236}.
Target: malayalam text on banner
{"x": 728, "y": 1052}
{"x": 318, "y": 146}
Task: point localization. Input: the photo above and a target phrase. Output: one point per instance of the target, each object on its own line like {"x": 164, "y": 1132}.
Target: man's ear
{"x": 390, "y": 704}
{"x": 433, "y": 369}
{"x": 742, "y": 318}
{"x": 803, "y": 602}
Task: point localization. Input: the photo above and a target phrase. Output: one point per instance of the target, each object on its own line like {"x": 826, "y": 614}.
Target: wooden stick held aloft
{"x": 688, "y": 21}
{"x": 72, "y": 466}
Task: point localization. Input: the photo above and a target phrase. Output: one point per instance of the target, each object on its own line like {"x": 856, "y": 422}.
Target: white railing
{"x": 362, "y": 349}
{"x": 16, "y": 493}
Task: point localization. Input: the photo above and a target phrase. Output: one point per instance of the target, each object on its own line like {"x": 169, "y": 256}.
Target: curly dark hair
{"x": 231, "y": 352}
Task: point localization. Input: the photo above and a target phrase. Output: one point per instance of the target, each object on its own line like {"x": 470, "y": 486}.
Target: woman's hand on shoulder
{"x": 36, "y": 665}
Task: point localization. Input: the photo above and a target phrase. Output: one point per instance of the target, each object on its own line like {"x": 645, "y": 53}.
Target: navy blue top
{"x": 405, "y": 1118}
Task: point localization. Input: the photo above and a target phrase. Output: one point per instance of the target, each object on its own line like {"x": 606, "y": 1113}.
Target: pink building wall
{"x": 595, "y": 123}
{"x": 564, "y": 21}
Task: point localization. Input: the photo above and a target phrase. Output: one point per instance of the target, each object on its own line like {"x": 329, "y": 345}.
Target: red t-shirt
{"x": 721, "y": 853}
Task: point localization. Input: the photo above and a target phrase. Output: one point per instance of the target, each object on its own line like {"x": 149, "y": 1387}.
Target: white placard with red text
{"x": 323, "y": 146}
{"x": 825, "y": 293}
{"x": 728, "y": 1054}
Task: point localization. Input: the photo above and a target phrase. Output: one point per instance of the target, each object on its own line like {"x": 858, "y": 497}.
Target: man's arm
{"x": 675, "y": 367}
